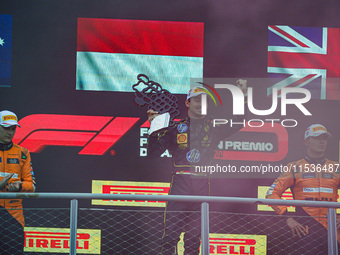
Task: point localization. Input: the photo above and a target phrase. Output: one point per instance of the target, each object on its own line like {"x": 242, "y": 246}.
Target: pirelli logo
{"x": 319, "y": 128}
{"x": 9, "y": 117}
{"x": 196, "y": 90}
{"x": 57, "y": 240}
{"x": 233, "y": 244}
{"x": 133, "y": 188}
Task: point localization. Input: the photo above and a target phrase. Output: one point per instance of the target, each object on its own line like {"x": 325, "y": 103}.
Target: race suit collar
{"x": 315, "y": 161}
{"x": 6, "y": 147}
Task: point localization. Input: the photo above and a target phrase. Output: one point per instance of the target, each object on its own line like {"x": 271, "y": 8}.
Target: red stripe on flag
{"x": 140, "y": 37}
{"x": 301, "y": 60}
{"x": 289, "y": 36}
{"x": 333, "y": 49}
{"x": 333, "y": 46}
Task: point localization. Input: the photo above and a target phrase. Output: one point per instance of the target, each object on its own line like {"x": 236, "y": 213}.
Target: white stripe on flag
{"x": 118, "y": 72}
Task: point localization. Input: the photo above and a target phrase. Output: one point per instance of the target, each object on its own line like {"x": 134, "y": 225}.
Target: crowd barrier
{"x": 134, "y": 231}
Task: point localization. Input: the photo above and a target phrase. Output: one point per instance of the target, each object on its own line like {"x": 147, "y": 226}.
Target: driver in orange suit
{"x": 312, "y": 178}
{"x": 16, "y": 175}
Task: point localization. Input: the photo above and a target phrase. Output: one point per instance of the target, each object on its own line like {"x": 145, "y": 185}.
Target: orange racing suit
{"x": 308, "y": 180}
{"x": 16, "y": 159}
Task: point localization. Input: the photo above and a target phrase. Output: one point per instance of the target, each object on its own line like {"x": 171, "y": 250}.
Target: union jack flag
{"x": 306, "y": 57}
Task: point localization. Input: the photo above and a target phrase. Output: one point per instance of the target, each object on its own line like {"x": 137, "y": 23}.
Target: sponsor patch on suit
{"x": 308, "y": 175}
{"x": 13, "y": 161}
{"x": 327, "y": 175}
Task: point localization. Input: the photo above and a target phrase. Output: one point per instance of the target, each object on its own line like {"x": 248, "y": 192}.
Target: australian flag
{"x": 307, "y": 57}
{"x": 5, "y": 50}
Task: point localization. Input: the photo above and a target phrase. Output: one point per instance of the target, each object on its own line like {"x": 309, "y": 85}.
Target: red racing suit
{"x": 308, "y": 180}
{"x": 16, "y": 159}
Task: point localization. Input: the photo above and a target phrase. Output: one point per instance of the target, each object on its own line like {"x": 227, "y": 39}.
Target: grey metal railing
{"x": 74, "y": 197}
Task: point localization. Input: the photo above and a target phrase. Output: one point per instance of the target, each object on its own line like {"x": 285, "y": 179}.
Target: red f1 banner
{"x": 97, "y": 134}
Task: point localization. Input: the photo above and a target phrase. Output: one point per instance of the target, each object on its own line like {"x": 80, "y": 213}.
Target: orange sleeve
{"x": 26, "y": 175}
{"x": 279, "y": 186}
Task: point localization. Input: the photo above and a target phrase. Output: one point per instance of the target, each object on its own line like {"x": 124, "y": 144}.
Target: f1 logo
{"x": 95, "y": 133}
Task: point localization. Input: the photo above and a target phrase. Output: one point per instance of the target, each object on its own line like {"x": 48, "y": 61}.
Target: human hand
{"x": 152, "y": 114}
{"x": 15, "y": 186}
{"x": 5, "y": 180}
{"x": 242, "y": 84}
{"x": 297, "y": 228}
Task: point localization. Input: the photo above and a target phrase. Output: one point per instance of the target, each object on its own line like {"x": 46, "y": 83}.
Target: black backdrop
{"x": 43, "y": 81}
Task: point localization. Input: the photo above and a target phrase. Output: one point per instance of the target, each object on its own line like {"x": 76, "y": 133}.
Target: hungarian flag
{"x": 112, "y": 52}
{"x": 5, "y": 50}
{"x": 307, "y": 57}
